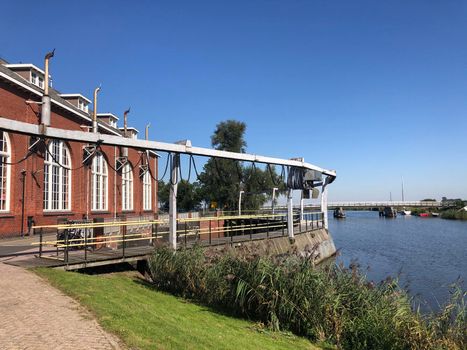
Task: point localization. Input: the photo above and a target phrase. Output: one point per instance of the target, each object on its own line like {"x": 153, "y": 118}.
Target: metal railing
{"x": 81, "y": 242}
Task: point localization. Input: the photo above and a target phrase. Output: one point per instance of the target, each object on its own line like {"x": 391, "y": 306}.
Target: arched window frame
{"x": 127, "y": 187}
{"x": 5, "y": 172}
{"x": 100, "y": 183}
{"x": 57, "y": 177}
{"x": 147, "y": 191}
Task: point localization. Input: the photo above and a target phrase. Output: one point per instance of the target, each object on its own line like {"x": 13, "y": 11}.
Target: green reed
{"x": 332, "y": 304}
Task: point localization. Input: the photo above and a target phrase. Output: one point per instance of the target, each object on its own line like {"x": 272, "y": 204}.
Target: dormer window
{"x": 77, "y": 100}
{"x": 108, "y": 118}
{"x": 37, "y": 79}
{"x": 29, "y": 72}
{"x": 131, "y": 133}
{"x": 82, "y": 105}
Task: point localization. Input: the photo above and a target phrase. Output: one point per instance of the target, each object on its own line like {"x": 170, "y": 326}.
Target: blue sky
{"x": 374, "y": 89}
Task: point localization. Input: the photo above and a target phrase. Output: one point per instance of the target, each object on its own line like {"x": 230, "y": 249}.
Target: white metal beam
{"x": 82, "y": 136}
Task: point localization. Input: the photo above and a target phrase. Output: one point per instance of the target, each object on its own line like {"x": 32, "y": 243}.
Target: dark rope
{"x": 194, "y": 166}
{"x": 131, "y": 167}
{"x": 59, "y": 164}
{"x": 272, "y": 176}
{"x": 19, "y": 161}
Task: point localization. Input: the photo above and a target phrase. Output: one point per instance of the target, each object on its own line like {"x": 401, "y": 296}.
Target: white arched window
{"x": 147, "y": 190}
{"x": 127, "y": 187}
{"x": 5, "y": 158}
{"x": 99, "y": 183}
{"x": 57, "y": 179}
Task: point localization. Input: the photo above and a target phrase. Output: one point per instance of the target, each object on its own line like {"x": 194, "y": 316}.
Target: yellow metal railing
{"x": 247, "y": 225}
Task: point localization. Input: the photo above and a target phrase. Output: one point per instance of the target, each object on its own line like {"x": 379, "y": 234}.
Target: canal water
{"x": 426, "y": 254}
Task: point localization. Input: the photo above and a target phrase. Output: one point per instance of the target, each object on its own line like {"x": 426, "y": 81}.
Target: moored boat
{"x": 389, "y": 212}
{"x": 339, "y": 213}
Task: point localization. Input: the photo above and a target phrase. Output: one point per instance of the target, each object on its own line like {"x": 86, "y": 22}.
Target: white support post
{"x": 173, "y": 201}
{"x": 290, "y": 214}
{"x": 324, "y": 203}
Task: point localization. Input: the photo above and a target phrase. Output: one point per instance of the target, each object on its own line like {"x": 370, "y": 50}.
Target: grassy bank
{"x": 330, "y": 304}
{"x": 454, "y": 214}
{"x": 148, "y": 319}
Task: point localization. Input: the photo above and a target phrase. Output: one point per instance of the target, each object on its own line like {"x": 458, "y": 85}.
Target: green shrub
{"x": 454, "y": 214}
{"x": 332, "y": 303}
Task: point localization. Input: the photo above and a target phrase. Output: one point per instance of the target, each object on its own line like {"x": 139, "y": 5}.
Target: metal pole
{"x": 85, "y": 245}
{"x": 283, "y": 224}
{"x": 302, "y": 200}
{"x": 290, "y": 214}
{"x": 324, "y": 203}
{"x": 124, "y": 234}
{"x": 273, "y": 199}
{"x": 23, "y": 174}
{"x": 267, "y": 229}
{"x": 173, "y": 201}
{"x": 210, "y": 232}
{"x": 40, "y": 242}
{"x": 66, "y": 246}
{"x": 230, "y": 232}
{"x": 240, "y": 202}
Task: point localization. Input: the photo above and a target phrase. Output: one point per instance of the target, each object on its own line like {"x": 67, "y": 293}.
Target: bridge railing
{"x": 385, "y": 203}
{"x": 374, "y": 204}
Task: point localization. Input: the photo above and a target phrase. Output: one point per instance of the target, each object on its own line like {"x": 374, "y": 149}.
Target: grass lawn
{"x": 145, "y": 318}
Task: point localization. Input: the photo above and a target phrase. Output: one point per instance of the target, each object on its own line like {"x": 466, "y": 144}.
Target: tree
{"x": 222, "y": 179}
{"x": 188, "y": 196}
{"x": 258, "y": 185}
{"x": 163, "y": 195}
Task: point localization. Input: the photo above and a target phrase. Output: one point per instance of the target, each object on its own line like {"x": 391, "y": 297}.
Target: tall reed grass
{"x": 454, "y": 214}
{"x": 331, "y": 304}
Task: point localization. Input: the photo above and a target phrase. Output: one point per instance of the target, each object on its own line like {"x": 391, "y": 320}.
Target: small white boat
{"x": 435, "y": 214}
{"x": 405, "y": 212}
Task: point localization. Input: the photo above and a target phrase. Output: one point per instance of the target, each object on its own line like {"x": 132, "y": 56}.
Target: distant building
{"x": 45, "y": 181}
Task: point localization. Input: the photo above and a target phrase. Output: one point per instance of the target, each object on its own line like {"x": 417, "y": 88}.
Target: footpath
{"x": 34, "y": 315}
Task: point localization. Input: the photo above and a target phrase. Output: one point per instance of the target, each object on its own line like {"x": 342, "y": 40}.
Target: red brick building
{"x": 46, "y": 181}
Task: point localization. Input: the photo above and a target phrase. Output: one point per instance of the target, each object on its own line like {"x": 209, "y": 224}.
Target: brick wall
{"x": 13, "y": 106}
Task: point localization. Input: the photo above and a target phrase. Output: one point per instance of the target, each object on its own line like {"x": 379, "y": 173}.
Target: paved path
{"x": 34, "y": 315}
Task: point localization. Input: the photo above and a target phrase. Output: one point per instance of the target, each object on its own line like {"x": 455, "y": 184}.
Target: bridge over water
{"x": 374, "y": 204}
{"x": 380, "y": 204}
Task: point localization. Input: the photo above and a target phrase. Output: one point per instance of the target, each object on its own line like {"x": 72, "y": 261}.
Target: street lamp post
{"x": 240, "y": 202}
{"x": 273, "y": 198}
